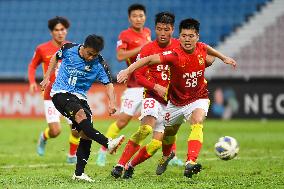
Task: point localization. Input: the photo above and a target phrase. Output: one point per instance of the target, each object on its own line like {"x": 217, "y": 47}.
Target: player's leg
{"x": 172, "y": 120}
{"x": 149, "y": 115}
{"x": 53, "y": 130}
{"x": 130, "y": 104}
{"x": 74, "y": 139}
{"x": 175, "y": 161}
{"x": 145, "y": 153}
{"x": 195, "y": 114}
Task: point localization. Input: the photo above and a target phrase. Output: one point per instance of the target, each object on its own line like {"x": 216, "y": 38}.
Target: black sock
{"x": 92, "y": 133}
{"x": 83, "y": 153}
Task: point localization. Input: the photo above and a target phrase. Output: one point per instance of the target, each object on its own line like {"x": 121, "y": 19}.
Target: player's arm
{"x": 52, "y": 65}
{"x": 144, "y": 82}
{"x": 111, "y": 97}
{"x": 152, "y": 59}
{"x": 123, "y": 54}
{"x": 105, "y": 78}
{"x": 225, "y": 59}
{"x": 35, "y": 62}
{"x": 209, "y": 60}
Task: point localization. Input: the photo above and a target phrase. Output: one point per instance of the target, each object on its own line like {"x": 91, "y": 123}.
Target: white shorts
{"x": 176, "y": 115}
{"x": 151, "y": 107}
{"x": 51, "y": 113}
{"x": 131, "y": 100}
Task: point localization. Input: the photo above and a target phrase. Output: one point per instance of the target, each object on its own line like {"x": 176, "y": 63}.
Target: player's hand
{"x": 229, "y": 60}
{"x": 33, "y": 88}
{"x": 111, "y": 109}
{"x": 44, "y": 83}
{"x": 122, "y": 76}
{"x": 160, "y": 90}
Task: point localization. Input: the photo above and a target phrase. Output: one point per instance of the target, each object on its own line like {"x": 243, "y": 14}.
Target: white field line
{"x": 92, "y": 163}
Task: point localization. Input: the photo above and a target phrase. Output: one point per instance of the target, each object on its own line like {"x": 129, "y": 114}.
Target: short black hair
{"x": 58, "y": 20}
{"x": 189, "y": 23}
{"x": 136, "y": 7}
{"x": 165, "y": 18}
{"x": 95, "y": 42}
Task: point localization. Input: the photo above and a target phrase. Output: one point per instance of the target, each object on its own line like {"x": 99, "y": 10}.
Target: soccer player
{"x": 81, "y": 66}
{"x": 188, "y": 95}
{"x": 128, "y": 46}
{"x": 155, "y": 79}
{"x": 58, "y": 27}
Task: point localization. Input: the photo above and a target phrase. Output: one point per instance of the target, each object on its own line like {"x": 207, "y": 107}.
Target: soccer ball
{"x": 226, "y": 148}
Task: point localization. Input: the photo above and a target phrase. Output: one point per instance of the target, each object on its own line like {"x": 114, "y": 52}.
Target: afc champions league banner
{"x": 229, "y": 98}
{"x": 17, "y": 102}
{"x": 258, "y": 98}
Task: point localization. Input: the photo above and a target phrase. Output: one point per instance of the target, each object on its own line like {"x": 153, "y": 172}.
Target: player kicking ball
{"x": 81, "y": 66}
{"x": 188, "y": 94}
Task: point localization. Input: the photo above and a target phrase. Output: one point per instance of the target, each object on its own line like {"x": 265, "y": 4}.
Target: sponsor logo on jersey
{"x": 167, "y": 52}
{"x": 88, "y": 68}
{"x": 200, "y": 59}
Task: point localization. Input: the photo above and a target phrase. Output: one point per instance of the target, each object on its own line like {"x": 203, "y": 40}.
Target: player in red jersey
{"x": 128, "y": 46}
{"x": 155, "y": 79}
{"x": 58, "y": 27}
{"x": 188, "y": 95}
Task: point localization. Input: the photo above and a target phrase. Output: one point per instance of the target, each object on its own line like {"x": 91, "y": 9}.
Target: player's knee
{"x": 170, "y": 131}
{"x": 196, "y": 119}
{"x": 153, "y": 146}
{"x": 80, "y": 116}
{"x": 54, "y": 132}
{"x": 75, "y": 133}
{"x": 141, "y": 134}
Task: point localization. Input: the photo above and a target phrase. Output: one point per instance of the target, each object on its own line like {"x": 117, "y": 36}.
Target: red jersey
{"x": 42, "y": 55}
{"x": 128, "y": 40}
{"x": 187, "y": 83}
{"x": 150, "y": 75}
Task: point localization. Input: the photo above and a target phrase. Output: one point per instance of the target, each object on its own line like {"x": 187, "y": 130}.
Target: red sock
{"x": 174, "y": 147}
{"x": 103, "y": 148}
{"x": 193, "y": 149}
{"x": 140, "y": 157}
{"x": 73, "y": 149}
{"x": 130, "y": 149}
{"x": 167, "y": 149}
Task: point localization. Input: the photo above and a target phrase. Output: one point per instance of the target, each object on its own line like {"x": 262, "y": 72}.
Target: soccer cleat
{"x": 128, "y": 172}
{"x": 41, "y": 145}
{"x": 83, "y": 177}
{"x": 176, "y": 162}
{"x": 101, "y": 160}
{"x": 117, "y": 171}
{"x": 191, "y": 168}
{"x": 71, "y": 159}
{"x": 113, "y": 144}
{"x": 162, "y": 166}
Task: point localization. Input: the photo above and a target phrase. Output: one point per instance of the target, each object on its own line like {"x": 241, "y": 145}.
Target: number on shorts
{"x": 149, "y": 104}
{"x": 128, "y": 103}
{"x": 167, "y": 116}
{"x": 51, "y": 111}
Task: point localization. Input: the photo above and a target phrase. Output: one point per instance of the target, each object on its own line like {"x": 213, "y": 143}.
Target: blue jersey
{"x": 76, "y": 75}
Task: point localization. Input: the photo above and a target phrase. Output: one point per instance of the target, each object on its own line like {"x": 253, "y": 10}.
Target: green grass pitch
{"x": 260, "y": 163}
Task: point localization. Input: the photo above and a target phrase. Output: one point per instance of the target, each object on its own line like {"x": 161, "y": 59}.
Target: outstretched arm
{"x": 123, "y": 74}
{"x": 111, "y": 97}
{"x": 51, "y": 68}
{"x": 225, "y": 59}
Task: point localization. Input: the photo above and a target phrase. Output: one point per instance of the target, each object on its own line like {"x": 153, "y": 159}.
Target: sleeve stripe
{"x": 106, "y": 69}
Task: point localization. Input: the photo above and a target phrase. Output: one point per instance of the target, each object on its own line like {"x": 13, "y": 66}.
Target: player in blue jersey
{"x": 81, "y": 66}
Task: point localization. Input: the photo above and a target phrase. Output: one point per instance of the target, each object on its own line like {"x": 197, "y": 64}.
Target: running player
{"x": 188, "y": 95}
{"x": 81, "y": 66}
{"x": 128, "y": 46}
{"x": 58, "y": 27}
